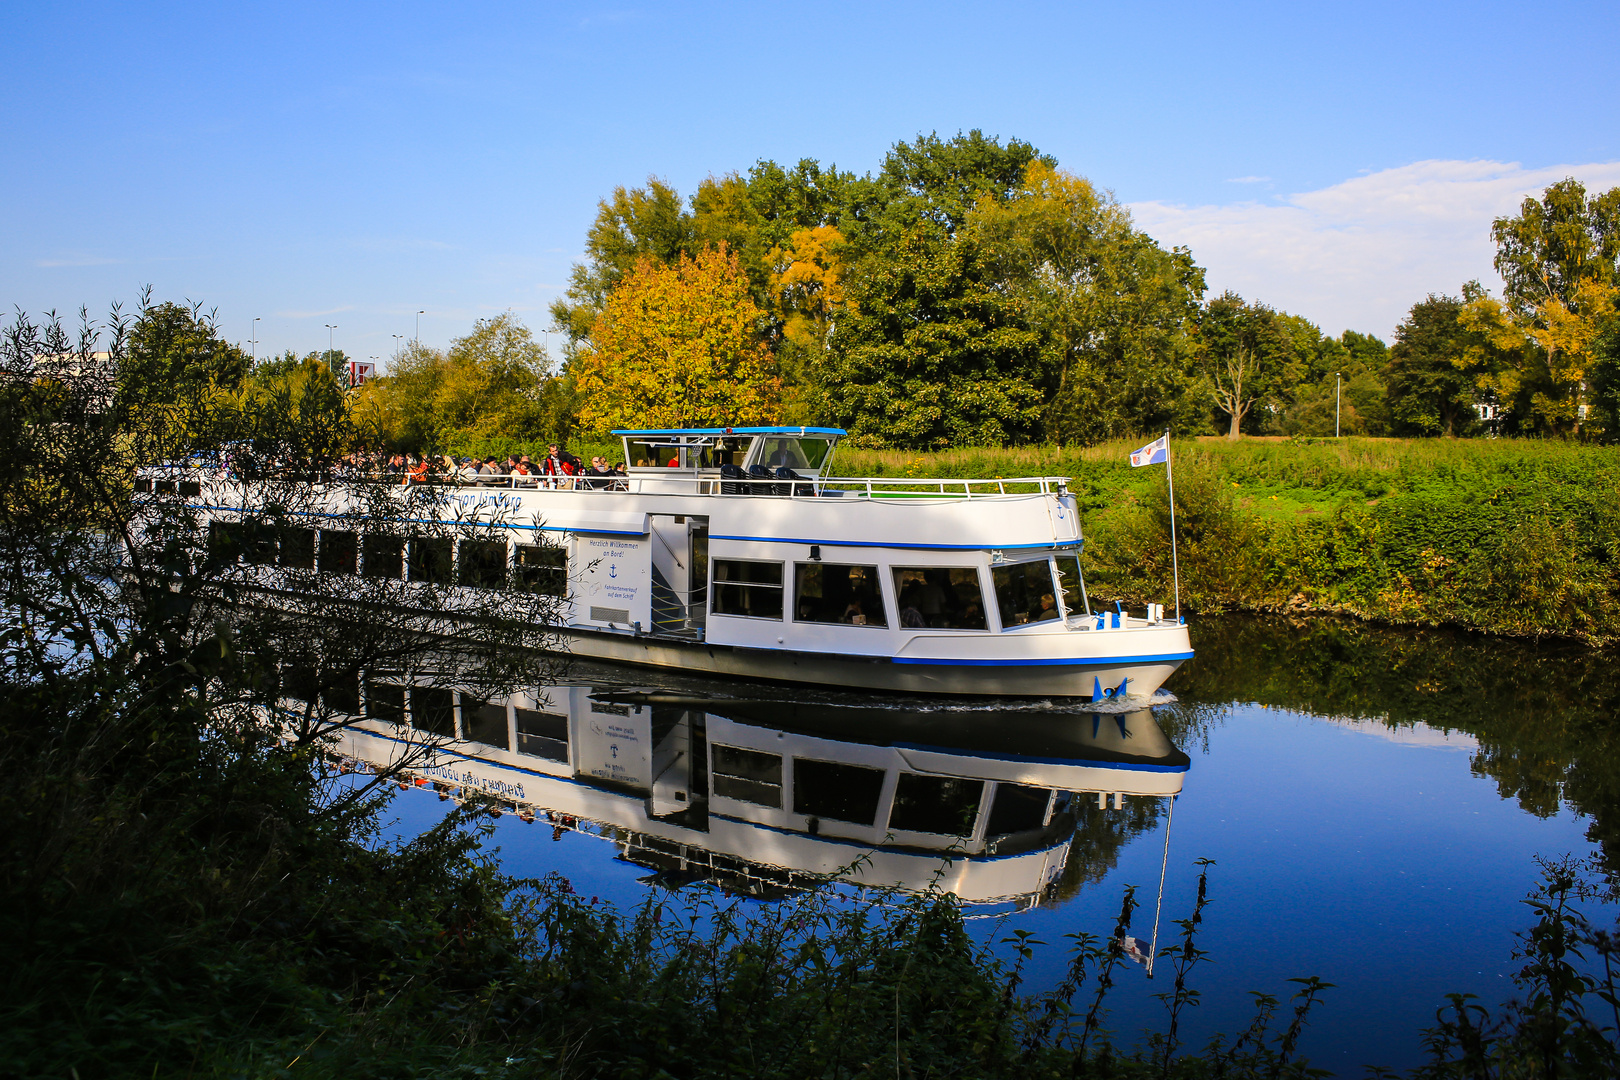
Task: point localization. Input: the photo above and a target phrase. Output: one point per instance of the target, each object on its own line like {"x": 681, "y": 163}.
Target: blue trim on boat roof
{"x": 732, "y": 431}
{"x": 1045, "y": 545}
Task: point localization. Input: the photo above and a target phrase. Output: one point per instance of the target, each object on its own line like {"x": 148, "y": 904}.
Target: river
{"x": 1374, "y": 802}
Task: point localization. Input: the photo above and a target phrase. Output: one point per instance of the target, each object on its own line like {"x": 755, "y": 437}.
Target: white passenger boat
{"x": 734, "y": 552}
{"x": 766, "y": 797}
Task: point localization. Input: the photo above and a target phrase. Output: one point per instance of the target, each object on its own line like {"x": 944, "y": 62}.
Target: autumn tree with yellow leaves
{"x": 677, "y": 344}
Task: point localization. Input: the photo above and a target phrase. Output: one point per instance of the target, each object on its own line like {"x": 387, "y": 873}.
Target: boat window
{"x": 793, "y": 452}
{"x": 834, "y": 790}
{"x": 338, "y": 552}
{"x": 747, "y": 775}
{"x": 542, "y": 568}
{"x": 747, "y": 588}
{"x": 433, "y": 711}
{"x": 1068, "y": 570}
{"x": 258, "y": 543}
{"x": 542, "y": 735}
{"x": 385, "y": 556}
{"x": 939, "y": 597}
{"x": 483, "y": 563}
{"x": 1017, "y": 808}
{"x": 224, "y": 540}
{"x": 1024, "y": 593}
{"x": 298, "y": 548}
{"x": 430, "y": 560}
{"x": 299, "y": 681}
{"x": 484, "y": 723}
{"x": 945, "y": 805}
{"x": 834, "y": 593}
{"x": 385, "y": 702}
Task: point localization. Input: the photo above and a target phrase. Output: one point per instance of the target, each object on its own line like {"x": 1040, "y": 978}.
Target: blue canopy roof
{"x": 732, "y": 431}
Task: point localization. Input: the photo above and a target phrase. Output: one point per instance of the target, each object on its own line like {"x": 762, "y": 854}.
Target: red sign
{"x": 359, "y": 372}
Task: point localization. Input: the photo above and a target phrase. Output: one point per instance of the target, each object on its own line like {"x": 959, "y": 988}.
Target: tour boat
{"x": 735, "y": 552}
{"x": 767, "y": 797}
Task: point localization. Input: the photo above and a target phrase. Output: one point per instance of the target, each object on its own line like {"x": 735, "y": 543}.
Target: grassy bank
{"x": 1512, "y": 537}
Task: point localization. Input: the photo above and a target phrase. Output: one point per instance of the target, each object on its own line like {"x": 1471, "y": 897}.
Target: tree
{"x": 175, "y": 352}
{"x": 933, "y": 352}
{"x": 1557, "y": 259}
{"x": 1112, "y": 308}
{"x": 677, "y": 345}
{"x": 1430, "y": 393}
{"x": 1245, "y": 352}
{"x": 635, "y": 224}
{"x": 494, "y": 381}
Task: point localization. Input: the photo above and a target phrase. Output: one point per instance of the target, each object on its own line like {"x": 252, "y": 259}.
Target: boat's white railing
{"x": 688, "y": 484}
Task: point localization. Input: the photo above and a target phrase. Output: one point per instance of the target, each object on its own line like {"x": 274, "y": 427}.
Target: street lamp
{"x": 331, "y": 328}
{"x": 399, "y": 344}
{"x": 1337, "y": 376}
{"x": 419, "y": 315}
{"x": 253, "y": 339}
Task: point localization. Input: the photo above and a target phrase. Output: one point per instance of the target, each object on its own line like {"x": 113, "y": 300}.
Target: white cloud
{"x": 1357, "y": 255}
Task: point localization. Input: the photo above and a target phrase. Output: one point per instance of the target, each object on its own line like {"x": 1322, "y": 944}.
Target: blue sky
{"x": 351, "y": 164}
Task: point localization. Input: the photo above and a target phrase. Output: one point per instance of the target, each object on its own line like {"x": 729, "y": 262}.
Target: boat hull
{"x": 1102, "y": 677}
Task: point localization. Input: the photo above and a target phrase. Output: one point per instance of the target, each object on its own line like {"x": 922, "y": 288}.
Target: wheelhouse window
{"x": 837, "y": 593}
{"x": 795, "y": 452}
{"x": 753, "y": 589}
{"x": 1025, "y": 593}
{"x": 939, "y": 597}
{"x": 542, "y": 568}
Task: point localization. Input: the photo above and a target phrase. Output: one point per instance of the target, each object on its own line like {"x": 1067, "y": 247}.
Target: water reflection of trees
{"x": 1544, "y": 714}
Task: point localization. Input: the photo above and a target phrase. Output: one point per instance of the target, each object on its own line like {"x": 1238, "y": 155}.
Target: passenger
{"x": 912, "y": 619}
{"x": 1047, "y": 610}
{"x": 931, "y": 598}
{"x": 854, "y": 613}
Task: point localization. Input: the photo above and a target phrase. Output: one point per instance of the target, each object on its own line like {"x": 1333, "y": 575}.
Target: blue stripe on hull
{"x": 1098, "y": 661}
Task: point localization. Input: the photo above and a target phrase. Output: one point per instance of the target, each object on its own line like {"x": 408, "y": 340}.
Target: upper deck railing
{"x": 686, "y": 483}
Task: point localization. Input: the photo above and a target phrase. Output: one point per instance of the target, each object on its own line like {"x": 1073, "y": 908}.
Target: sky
{"x": 331, "y": 170}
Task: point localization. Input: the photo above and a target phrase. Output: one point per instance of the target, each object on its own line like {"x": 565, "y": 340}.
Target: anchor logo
{"x": 613, "y": 570}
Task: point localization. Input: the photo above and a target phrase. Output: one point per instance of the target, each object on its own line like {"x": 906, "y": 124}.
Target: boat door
{"x": 680, "y": 574}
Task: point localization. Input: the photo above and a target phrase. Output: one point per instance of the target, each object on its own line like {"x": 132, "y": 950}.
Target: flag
{"x": 1151, "y": 454}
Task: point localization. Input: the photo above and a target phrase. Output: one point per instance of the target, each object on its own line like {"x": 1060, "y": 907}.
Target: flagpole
{"x": 1153, "y": 950}
{"x": 1175, "y": 565}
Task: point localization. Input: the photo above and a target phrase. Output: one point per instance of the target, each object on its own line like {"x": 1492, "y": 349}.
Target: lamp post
{"x": 399, "y": 345}
{"x": 253, "y": 340}
{"x": 331, "y": 329}
{"x": 1337, "y": 376}
{"x": 419, "y": 315}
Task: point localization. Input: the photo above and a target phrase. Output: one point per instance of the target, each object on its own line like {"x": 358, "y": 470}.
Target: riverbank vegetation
{"x": 1518, "y": 537}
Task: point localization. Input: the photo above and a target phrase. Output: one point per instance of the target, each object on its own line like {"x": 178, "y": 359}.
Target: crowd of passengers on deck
{"x": 558, "y": 469}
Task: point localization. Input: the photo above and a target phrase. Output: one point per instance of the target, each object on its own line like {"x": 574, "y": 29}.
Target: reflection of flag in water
{"x": 1133, "y": 948}
{"x": 1151, "y": 454}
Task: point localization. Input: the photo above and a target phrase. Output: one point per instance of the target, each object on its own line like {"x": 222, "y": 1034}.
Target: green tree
{"x": 176, "y": 353}
{"x": 1113, "y": 310}
{"x": 1429, "y": 391}
{"x": 934, "y": 352}
{"x": 1247, "y": 354}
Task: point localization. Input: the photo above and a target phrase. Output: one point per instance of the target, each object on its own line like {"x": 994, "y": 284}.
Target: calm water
{"x": 1374, "y": 802}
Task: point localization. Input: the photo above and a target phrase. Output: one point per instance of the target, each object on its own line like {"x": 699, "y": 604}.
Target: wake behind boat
{"x": 733, "y": 551}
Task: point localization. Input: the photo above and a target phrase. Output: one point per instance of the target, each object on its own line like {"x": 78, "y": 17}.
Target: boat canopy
{"x": 804, "y": 450}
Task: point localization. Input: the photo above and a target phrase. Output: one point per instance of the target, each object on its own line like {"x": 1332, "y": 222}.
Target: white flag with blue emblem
{"x": 1152, "y": 454}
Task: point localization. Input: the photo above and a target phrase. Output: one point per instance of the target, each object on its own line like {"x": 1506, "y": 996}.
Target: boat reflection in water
{"x": 765, "y": 797}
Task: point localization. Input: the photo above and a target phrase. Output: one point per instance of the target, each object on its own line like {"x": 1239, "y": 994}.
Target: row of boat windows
{"x": 839, "y": 791}
{"x": 439, "y": 560}
{"x": 938, "y": 598}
